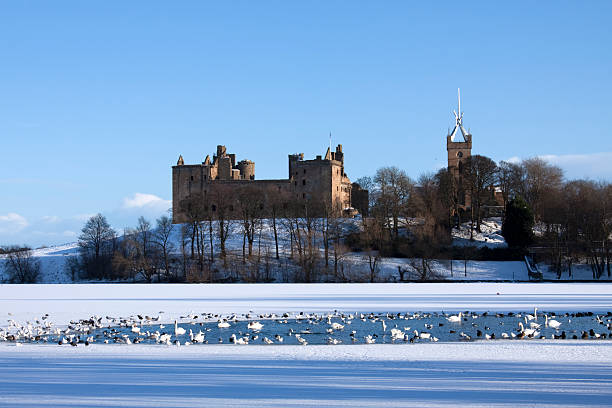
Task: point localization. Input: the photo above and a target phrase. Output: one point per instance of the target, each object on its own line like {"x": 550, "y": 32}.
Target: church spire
{"x": 459, "y": 121}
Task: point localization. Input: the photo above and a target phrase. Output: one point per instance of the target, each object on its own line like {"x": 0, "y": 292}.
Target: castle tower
{"x": 459, "y": 148}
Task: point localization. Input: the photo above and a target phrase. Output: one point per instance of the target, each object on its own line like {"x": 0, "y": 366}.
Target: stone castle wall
{"x": 224, "y": 185}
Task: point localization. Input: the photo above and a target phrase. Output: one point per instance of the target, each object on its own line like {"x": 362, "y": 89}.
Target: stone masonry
{"x": 222, "y": 184}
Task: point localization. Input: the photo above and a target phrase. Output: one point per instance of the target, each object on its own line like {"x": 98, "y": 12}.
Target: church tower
{"x": 459, "y": 148}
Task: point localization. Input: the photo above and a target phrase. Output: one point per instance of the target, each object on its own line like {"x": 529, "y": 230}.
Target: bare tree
{"x": 392, "y": 193}
{"x": 144, "y": 237}
{"x": 97, "y": 243}
{"x": 331, "y": 211}
{"x": 539, "y": 180}
{"x": 185, "y": 234}
{"x": 251, "y": 204}
{"x": 162, "y": 237}
{"x": 201, "y": 213}
{"x": 126, "y": 259}
{"x": 21, "y": 266}
{"x": 448, "y": 194}
{"x": 221, "y": 210}
{"x": 372, "y": 241}
{"x": 274, "y": 211}
{"x": 480, "y": 174}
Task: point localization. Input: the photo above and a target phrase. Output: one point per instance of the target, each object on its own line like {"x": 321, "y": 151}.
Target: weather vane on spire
{"x": 459, "y": 120}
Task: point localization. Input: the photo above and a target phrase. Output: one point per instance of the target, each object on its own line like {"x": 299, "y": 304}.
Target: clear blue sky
{"x": 97, "y": 100}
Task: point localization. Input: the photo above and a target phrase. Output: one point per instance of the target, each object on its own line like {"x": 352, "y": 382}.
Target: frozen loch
{"x": 391, "y": 371}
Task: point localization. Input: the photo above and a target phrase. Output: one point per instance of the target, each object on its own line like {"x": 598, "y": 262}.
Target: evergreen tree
{"x": 517, "y": 228}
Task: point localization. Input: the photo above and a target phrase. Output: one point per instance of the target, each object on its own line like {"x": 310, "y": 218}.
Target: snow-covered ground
{"x": 486, "y": 374}
{"x": 490, "y": 235}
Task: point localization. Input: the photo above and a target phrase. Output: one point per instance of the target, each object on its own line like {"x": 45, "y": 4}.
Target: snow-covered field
{"x": 503, "y": 373}
{"x": 494, "y": 373}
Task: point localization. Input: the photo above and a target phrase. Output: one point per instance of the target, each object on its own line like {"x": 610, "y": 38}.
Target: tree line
{"x": 573, "y": 218}
{"x": 307, "y": 241}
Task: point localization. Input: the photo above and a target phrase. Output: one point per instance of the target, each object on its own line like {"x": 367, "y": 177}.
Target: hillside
{"x": 54, "y": 270}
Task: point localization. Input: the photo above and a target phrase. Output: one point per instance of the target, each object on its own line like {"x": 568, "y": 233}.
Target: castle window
{"x": 231, "y": 208}
{"x": 191, "y": 178}
{"x": 214, "y": 207}
{"x": 304, "y": 171}
{"x": 303, "y": 182}
{"x": 303, "y": 195}
{"x": 459, "y": 154}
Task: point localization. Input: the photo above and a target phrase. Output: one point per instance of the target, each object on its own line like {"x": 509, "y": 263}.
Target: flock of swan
{"x": 335, "y": 328}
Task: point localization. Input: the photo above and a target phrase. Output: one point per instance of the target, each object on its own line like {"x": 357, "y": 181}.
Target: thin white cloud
{"x": 53, "y": 234}
{"x": 141, "y": 200}
{"x": 12, "y": 223}
{"x": 590, "y": 165}
{"x": 51, "y": 219}
{"x": 514, "y": 160}
{"x": 578, "y": 158}
{"x": 82, "y": 217}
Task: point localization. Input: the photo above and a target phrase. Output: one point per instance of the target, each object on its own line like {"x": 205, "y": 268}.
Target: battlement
{"x": 223, "y": 167}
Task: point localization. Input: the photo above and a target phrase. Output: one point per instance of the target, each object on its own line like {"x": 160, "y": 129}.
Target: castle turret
{"x": 338, "y": 155}
{"x": 293, "y": 159}
{"x": 221, "y": 150}
{"x": 247, "y": 169}
{"x": 224, "y": 170}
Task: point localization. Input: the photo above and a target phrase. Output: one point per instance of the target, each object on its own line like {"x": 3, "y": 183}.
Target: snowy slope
{"x": 490, "y": 235}
{"x": 52, "y": 263}
{"x": 54, "y": 268}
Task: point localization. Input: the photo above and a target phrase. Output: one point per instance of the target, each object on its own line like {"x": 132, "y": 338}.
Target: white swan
{"x": 337, "y": 326}
{"x": 255, "y": 326}
{"x": 528, "y": 332}
{"x": 534, "y": 316}
{"x": 424, "y": 335}
{"x": 178, "y": 331}
{"x": 198, "y": 338}
{"x": 397, "y": 334}
{"x": 552, "y": 323}
{"x": 455, "y": 318}
{"x": 223, "y": 325}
